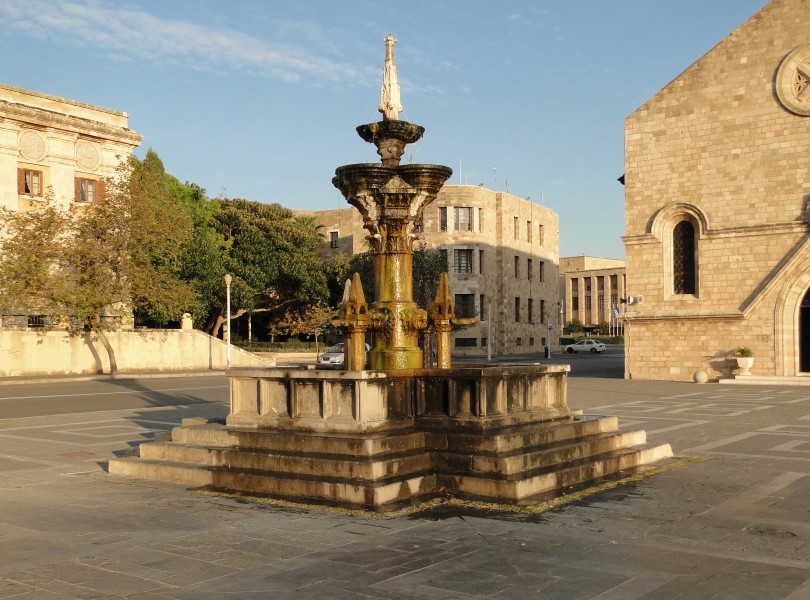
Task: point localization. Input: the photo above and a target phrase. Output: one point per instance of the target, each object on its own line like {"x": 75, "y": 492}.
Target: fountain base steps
{"x": 384, "y": 470}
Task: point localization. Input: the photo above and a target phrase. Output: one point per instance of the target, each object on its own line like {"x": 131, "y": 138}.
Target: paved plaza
{"x": 731, "y": 522}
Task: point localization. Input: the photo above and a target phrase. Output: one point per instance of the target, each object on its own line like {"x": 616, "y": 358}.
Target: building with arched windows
{"x": 717, "y": 200}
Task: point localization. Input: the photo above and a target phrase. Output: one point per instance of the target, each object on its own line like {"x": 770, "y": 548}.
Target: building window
{"x": 87, "y": 190}
{"x": 517, "y": 310}
{"x": 463, "y": 217}
{"x": 465, "y": 305}
{"x": 517, "y": 228}
{"x": 517, "y": 267}
{"x": 540, "y": 234}
{"x": 333, "y": 239}
{"x": 600, "y": 302}
{"x": 529, "y": 269}
{"x": 574, "y": 293}
{"x": 480, "y": 219}
{"x": 36, "y": 321}
{"x": 442, "y": 218}
{"x": 29, "y": 182}
{"x": 588, "y": 302}
{"x": 529, "y": 231}
{"x": 463, "y": 261}
{"x": 483, "y": 342}
{"x": 480, "y": 261}
{"x": 542, "y": 311}
{"x": 531, "y": 342}
{"x": 541, "y": 275}
{"x": 481, "y": 307}
{"x": 529, "y": 310}
{"x": 519, "y": 342}
{"x": 465, "y": 342}
{"x": 683, "y": 258}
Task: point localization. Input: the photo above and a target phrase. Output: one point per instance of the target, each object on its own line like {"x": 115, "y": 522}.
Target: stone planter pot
{"x": 744, "y": 363}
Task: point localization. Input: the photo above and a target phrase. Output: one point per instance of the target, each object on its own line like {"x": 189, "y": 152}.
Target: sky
{"x": 259, "y": 99}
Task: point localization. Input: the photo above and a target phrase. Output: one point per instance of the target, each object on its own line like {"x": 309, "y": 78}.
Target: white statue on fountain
{"x": 390, "y": 105}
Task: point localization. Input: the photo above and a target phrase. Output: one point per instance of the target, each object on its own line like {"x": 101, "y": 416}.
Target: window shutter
{"x": 77, "y": 192}
{"x": 20, "y": 181}
{"x": 100, "y": 189}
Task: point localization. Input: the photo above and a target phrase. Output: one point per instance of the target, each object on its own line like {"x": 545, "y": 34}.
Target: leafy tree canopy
{"x": 274, "y": 259}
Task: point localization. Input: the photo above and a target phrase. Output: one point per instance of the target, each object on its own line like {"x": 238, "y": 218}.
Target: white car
{"x": 333, "y": 357}
{"x": 585, "y": 346}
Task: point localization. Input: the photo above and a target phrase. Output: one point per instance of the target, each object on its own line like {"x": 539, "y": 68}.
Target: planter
{"x": 744, "y": 363}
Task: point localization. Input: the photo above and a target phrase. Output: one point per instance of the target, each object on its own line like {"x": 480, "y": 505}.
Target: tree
{"x": 274, "y": 260}
{"x": 311, "y": 321}
{"x": 32, "y": 278}
{"x": 575, "y": 326}
{"x": 428, "y": 265}
{"x": 114, "y": 256}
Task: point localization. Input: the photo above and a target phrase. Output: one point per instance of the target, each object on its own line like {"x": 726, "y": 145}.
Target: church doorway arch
{"x": 804, "y": 334}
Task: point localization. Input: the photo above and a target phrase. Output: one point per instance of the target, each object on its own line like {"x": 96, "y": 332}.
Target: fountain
{"x": 398, "y": 432}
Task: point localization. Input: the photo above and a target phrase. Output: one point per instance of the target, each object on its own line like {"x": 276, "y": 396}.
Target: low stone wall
{"x": 60, "y": 353}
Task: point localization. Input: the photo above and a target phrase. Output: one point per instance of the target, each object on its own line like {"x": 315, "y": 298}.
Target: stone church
{"x": 717, "y": 201}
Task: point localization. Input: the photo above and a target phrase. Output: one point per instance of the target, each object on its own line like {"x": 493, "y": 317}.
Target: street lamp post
{"x": 228, "y": 280}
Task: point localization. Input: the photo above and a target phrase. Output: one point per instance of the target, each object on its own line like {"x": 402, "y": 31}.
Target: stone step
{"x": 516, "y": 439}
{"x": 388, "y": 493}
{"x": 392, "y": 490}
{"x": 292, "y": 441}
{"x": 544, "y": 456}
{"x": 295, "y": 463}
{"x": 511, "y": 439}
{"x": 525, "y": 485}
{"x": 300, "y": 462}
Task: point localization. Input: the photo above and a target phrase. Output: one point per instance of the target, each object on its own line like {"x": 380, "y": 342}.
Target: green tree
{"x": 117, "y": 255}
{"x": 275, "y": 260}
{"x": 200, "y": 262}
{"x": 575, "y": 326}
{"x": 32, "y": 278}
{"x": 310, "y": 321}
{"x": 428, "y": 265}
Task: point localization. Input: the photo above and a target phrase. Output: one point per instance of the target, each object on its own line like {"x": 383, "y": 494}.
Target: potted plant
{"x": 745, "y": 360}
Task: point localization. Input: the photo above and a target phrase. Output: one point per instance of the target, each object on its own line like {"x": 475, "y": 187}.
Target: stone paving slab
{"x": 732, "y": 523}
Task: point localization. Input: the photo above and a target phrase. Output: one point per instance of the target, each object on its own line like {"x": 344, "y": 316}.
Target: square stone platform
{"x": 378, "y": 440}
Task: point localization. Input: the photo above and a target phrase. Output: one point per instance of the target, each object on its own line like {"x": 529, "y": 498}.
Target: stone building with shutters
{"x": 503, "y": 253}
{"x": 717, "y": 201}
{"x": 55, "y": 147}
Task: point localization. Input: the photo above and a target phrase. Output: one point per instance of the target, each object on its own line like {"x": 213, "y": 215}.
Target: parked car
{"x": 333, "y": 357}
{"x": 585, "y": 346}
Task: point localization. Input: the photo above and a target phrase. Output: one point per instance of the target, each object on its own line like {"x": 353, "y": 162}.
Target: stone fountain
{"x": 398, "y": 432}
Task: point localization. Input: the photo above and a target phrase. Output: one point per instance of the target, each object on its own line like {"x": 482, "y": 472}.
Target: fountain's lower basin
{"x": 377, "y": 440}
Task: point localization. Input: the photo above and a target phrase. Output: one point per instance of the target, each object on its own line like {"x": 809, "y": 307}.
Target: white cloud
{"x": 136, "y": 34}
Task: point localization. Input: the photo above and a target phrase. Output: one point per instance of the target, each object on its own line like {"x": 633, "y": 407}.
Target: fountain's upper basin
{"x": 403, "y": 131}
{"x": 371, "y": 177}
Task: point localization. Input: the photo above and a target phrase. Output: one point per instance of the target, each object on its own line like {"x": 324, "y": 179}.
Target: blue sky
{"x": 260, "y": 99}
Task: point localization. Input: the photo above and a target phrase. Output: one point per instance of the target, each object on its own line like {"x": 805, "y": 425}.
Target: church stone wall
{"x": 718, "y": 147}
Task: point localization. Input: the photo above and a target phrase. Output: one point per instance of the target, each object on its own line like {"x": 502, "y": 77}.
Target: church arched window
{"x": 684, "y": 271}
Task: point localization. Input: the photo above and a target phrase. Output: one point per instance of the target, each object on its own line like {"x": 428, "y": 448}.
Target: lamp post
{"x": 228, "y": 280}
